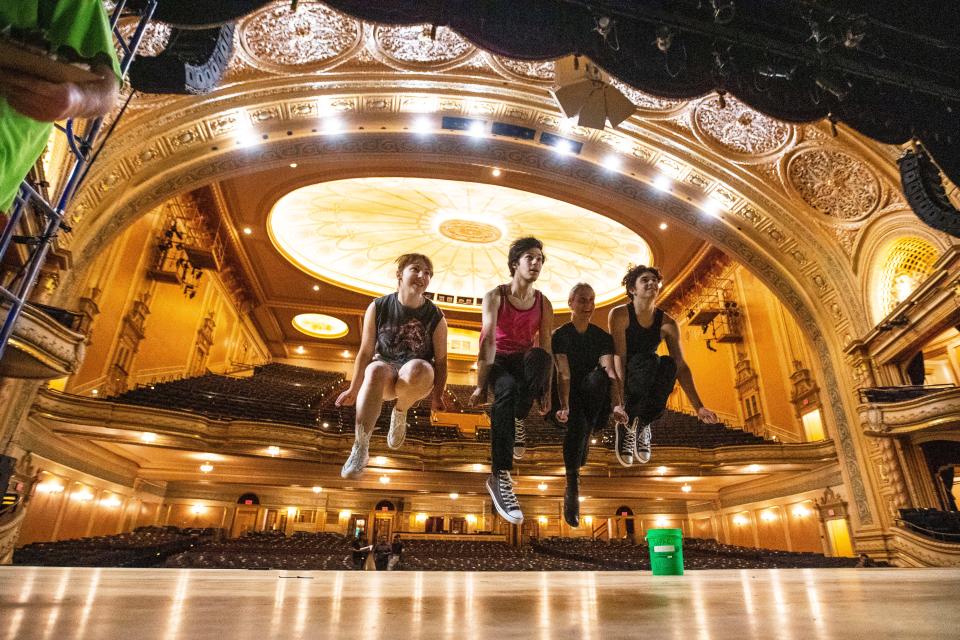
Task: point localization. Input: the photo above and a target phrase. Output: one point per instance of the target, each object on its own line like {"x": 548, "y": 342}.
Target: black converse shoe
{"x": 644, "y": 449}
{"x": 571, "y": 502}
{"x": 626, "y": 442}
{"x": 519, "y": 439}
{"x": 500, "y": 488}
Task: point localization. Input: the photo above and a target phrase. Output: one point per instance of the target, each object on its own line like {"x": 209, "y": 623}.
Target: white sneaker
{"x": 519, "y": 439}
{"x": 398, "y": 429}
{"x": 356, "y": 464}
{"x": 644, "y": 448}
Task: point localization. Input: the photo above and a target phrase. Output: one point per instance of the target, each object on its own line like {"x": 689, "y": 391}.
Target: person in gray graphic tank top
{"x": 402, "y": 356}
{"x": 638, "y": 328}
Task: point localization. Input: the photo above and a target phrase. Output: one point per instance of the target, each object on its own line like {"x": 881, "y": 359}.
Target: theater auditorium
{"x": 184, "y": 280}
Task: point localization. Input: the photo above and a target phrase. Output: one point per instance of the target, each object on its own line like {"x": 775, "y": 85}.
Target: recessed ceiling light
{"x": 662, "y": 182}
{"x": 333, "y": 125}
{"x": 300, "y": 350}
{"x": 613, "y": 163}
{"x": 293, "y": 165}
{"x": 345, "y": 353}
{"x": 384, "y": 479}
{"x": 477, "y": 129}
{"x": 686, "y": 488}
{"x": 496, "y": 173}
{"x": 247, "y": 231}
{"x": 317, "y": 489}
{"x": 273, "y": 450}
{"x": 542, "y": 486}
{"x": 477, "y": 466}
{"x": 149, "y": 436}
{"x": 422, "y": 125}
{"x": 316, "y": 287}
{"x": 663, "y": 226}
{"x": 380, "y": 460}
{"x": 454, "y": 495}
{"x": 206, "y": 467}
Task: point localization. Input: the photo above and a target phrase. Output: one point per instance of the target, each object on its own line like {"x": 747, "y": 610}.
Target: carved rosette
{"x": 739, "y": 131}
{"x": 417, "y": 47}
{"x": 309, "y": 38}
{"x": 834, "y": 184}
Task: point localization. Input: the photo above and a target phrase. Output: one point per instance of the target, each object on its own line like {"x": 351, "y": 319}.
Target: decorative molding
{"x": 930, "y": 412}
{"x": 910, "y": 549}
{"x": 833, "y": 183}
{"x": 739, "y": 131}
{"x": 40, "y": 347}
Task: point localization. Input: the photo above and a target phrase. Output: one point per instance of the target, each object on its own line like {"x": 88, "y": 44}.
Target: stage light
{"x": 149, "y": 437}
{"x": 612, "y": 163}
{"x": 326, "y": 425}
{"x": 477, "y": 129}
{"x": 333, "y": 125}
{"x": 345, "y": 514}
{"x": 563, "y": 147}
{"x": 662, "y": 182}
{"x": 422, "y": 125}
{"x": 584, "y": 92}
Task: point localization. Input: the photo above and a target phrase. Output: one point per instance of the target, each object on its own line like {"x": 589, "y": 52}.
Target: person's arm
{"x": 546, "y": 343}
{"x": 617, "y": 322}
{"x": 368, "y": 341}
{"x": 488, "y": 344}
{"x": 671, "y": 335}
{"x": 563, "y": 386}
{"x": 46, "y": 101}
{"x": 438, "y": 401}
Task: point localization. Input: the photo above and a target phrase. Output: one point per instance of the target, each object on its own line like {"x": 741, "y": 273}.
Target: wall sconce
{"x": 197, "y": 509}
{"x": 471, "y": 519}
{"x": 661, "y": 522}
{"x": 768, "y": 516}
{"x": 345, "y": 514}
{"x": 110, "y": 502}
{"x": 801, "y": 511}
{"x": 542, "y": 520}
{"x": 421, "y": 517}
{"x": 83, "y": 495}
{"x": 588, "y": 519}
{"x": 291, "y": 511}
{"x": 49, "y": 487}
{"x": 739, "y": 520}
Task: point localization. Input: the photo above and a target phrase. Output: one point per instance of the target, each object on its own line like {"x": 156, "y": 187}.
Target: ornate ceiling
{"x": 349, "y": 232}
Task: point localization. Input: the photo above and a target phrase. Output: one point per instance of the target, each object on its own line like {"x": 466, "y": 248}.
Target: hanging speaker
{"x": 923, "y": 187}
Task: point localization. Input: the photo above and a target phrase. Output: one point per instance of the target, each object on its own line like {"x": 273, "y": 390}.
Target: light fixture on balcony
{"x": 206, "y": 467}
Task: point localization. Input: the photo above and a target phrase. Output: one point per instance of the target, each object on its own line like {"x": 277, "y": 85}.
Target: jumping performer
{"x": 587, "y": 387}
{"x": 402, "y": 355}
{"x": 638, "y": 327}
{"x": 515, "y": 316}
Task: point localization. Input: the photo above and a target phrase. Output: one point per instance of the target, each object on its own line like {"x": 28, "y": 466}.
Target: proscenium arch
{"x": 156, "y": 169}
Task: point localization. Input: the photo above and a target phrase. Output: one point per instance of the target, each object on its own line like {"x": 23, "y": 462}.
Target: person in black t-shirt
{"x": 638, "y": 327}
{"x": 587, "y": 388}
{"x": 402, "y": 355}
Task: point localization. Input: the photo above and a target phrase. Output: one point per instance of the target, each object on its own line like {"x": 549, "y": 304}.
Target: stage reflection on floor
{"x": 795, "y": 604}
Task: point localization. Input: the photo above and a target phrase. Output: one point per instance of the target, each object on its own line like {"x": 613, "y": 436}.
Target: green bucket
{"x": 666, "y": 551}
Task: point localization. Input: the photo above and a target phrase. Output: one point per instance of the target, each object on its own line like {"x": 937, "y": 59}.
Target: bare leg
{"x": 414, "y": 381}
{"x": 379, "y": 382}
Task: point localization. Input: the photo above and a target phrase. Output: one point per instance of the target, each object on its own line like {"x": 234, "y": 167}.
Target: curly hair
{"x": 519, "y": 247}
{"x": 630, "y": 279}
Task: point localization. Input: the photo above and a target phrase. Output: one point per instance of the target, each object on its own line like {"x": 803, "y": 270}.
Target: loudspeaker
{"x": 6, "y": 471}
{"x": 924, "y": 190}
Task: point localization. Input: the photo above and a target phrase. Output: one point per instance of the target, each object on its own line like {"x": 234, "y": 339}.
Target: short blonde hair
{"x": 575, "y": 289}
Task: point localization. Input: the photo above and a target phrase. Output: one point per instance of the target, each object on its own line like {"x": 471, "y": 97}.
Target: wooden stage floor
{"x": 794, "y": 604}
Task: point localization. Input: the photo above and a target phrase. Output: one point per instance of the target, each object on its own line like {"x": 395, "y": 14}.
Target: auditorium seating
{"x": 301, "y": 551}
{"x": 933, "y": 523}
{"x": 459, "y": 555}
{"x": 143, "y": 547}
{"x": 900, "y": 393}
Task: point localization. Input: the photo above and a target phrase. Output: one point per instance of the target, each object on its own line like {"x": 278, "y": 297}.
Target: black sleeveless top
{"x": 404, "y": 334}
{"x": 640, "y": 340}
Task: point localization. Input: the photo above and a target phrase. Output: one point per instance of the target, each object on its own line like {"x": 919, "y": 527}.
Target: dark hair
{"x": 409, "y": 258}
{"x": 519, "y": 247}
{"x": 630, "y": 280}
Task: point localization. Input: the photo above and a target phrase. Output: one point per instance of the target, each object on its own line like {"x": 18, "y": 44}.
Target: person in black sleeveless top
{"x": 402, "y": 355}
{"x": 587, "y": 388}
{"x": 638, "y": 327}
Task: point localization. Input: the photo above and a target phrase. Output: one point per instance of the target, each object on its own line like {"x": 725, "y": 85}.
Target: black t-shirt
{"x": 404, "y": 333}
{"x": 583, "y": 350}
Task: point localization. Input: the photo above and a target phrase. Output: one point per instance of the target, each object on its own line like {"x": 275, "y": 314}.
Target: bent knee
{"x": 416, "y": 371}
{"x": 379, "y": 371}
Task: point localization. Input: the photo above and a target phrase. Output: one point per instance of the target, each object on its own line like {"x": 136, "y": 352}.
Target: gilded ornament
{"x": 739, "y": 128}
{"x": 646, "y": 101}
{"x": 418, "y": 44}
{"x": 310, "y": 35}
{"x": 543, "y": 70}
{"x": 834, "y": 183}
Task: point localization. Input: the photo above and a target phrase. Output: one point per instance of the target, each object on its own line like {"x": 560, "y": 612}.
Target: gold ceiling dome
{"x": 320, "y": 325}
{"x": 349, "y": 232}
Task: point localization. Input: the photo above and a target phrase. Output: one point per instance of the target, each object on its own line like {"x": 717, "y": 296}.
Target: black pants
{"x": 589, "y": 410}
{"x": 517, "y": 380}
{"x": 650, "y": 379}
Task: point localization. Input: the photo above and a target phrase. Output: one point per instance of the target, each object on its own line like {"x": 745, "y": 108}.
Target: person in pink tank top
{"x": 515, "y": 361}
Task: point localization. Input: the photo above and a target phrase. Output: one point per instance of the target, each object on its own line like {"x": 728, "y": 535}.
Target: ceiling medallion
{"x": 319, "y": 325}
{"x": 469, "y": 231}
{"x": 312, "y": 34}
{"x": 738, "y": 128}
{"x": 421, "y": 44}
{"x": 349, "y": 233}
{"x": 834, "y": 184}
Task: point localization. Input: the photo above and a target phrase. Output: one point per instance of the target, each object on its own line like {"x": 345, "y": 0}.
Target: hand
{"x": 478, "y": 397}
{"x": 620, "y": 415}
{"x": 543, "y": 404}
{"x": 562, "y": 414}
{"x": 438, "y": 402}
{"x": 707, "y": 416}
{"x": 346, "y": 399}
{"x": 38, "y": 99}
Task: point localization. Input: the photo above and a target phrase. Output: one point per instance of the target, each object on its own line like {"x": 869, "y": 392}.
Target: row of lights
{"x": 423, "y": 125}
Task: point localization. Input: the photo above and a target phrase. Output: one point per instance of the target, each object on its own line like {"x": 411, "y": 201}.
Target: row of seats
{"x": 143, "y": 547}
{"x": 306, "y": 397}
{"x": 933, "y": 523}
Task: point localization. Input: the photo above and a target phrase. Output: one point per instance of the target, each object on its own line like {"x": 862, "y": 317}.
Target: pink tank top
{"x": 517, "y": 329}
